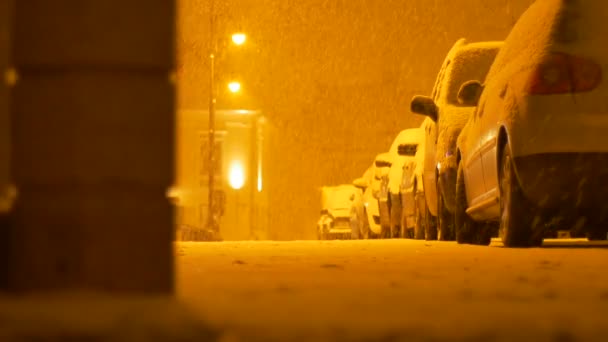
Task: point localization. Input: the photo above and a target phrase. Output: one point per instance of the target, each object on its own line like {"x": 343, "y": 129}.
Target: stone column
{"x": 92, "y": 146}
{"x": 5, "y": 10}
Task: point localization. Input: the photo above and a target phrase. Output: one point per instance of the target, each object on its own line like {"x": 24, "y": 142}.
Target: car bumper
{"x": 573, "y": 183}
{"x": 338, "y": 231}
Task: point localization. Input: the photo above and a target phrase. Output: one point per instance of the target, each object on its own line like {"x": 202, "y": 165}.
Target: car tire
{"x": 419, "y": 211}
{"x": 430, "y": 225}
{"x": 520, "y": 224}
{"x": 365, "y": 231}
{"x": 468, "y": 231}
{"x": 445, "y": 220}
{"x": 403, "y": 224}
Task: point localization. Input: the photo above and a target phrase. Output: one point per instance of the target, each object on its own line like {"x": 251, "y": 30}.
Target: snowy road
{"x": 397, "y": 290}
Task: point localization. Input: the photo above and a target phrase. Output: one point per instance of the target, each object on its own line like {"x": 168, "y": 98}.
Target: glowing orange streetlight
{"x": 234, "y": 87}
{"x": 236, "y": 175}
{"x": 239, "y": 38}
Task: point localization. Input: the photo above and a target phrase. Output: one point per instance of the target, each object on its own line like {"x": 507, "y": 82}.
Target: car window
{"x": 469, "y": 64}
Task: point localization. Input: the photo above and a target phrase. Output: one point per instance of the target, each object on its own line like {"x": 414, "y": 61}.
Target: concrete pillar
{"x": 92, "y": 146}
{"x": 5, "y": 201}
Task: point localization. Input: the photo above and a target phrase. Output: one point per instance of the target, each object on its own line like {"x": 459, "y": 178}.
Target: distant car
{"x": 446, "y": 118}
{"x": 358, "y": 217}
{"x": 402, "y": 150}
{"x": 535, "y": 154}
{"x": 336, "y": 208}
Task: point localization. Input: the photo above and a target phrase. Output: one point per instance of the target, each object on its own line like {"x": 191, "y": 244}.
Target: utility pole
{"x": 212, "y": 228}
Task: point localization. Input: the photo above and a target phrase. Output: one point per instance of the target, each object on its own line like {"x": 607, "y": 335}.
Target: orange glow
{"x": 239, "y": 38}
{"x": 236, "y": 175}
{"x": 234, "y": 87}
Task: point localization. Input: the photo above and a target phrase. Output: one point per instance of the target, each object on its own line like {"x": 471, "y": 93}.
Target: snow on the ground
{"x": 395, "y": 290}
{"x": 87, "y": 317}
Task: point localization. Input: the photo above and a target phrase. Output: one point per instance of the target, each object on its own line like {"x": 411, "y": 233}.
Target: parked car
{"x": 535, "y": 151}
{"x": 383, "y": 164}
{"x": 402, "y": 150}
{"x": 336, "y": 209}
{"x": 371, "y": 183}
{"x": 445, "y": 119}
{"x": 416, "y": 220}
{"x": 358, "y": 217}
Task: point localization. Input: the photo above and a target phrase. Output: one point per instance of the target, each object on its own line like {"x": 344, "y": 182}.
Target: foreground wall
{"x": 92, "y": 145}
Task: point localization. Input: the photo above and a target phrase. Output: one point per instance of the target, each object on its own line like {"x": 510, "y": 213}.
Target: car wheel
{"x": 403, "y": 230}
{"x": 445, "y": 220}
{"x": 419, "y": 212}
{"x": 468, "y": 230}
{"x": 430, "y": 225}
{"x": 403, "y": 224}
{"x": 520, "y": 226}
{"x": 394, "y": 231}
{"x": 364, "y": 233}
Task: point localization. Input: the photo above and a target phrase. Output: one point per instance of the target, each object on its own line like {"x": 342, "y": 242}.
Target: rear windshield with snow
{"x": 339, "y": 197}
{"x": 468, "y": 64}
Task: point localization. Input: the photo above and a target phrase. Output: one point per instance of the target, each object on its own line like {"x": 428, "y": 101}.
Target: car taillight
{"x": 560, "y": 73}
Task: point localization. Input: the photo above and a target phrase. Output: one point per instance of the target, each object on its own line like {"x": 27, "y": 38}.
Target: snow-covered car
{"x": 402, "y": 150}
{"x": 464, "y": 62}
{"x": 383, "y": 164}
{"x": 371, "y": 182}
{"x": 416, "y": 221}
{"x": 358, "y": 217}
{"x": 336, "y": 210}
{"x": 535, "y": 151}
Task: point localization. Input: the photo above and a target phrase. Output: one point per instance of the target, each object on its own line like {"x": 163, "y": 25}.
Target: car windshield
{"x": 408, "y": 149}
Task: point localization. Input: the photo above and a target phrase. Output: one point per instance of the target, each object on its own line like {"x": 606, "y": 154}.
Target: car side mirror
{"x": 424, "y": 105}
{"x": 360, "y": 183}
{"x": 469, "y": 93}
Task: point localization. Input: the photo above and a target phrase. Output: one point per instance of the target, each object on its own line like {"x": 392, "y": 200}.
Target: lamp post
{"x": 239, "y": 38}
{"x": 212, "y": 225}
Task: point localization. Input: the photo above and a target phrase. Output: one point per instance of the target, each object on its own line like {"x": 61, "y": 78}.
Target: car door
{"x": 489, "y": 125}
{"x": 471, "y": 159}
{"x": 430, "y": 160}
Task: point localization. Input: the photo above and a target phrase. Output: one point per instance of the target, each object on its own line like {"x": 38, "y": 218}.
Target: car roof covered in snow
{"x": 337, "y": 197}
{"x": 465, "y": 62}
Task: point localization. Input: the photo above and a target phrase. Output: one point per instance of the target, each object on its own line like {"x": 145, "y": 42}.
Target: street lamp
{"x": 239, "y": 38}
{"x": 236, "y": 175}
{"x": 234, "y": 87}
{"x": 213, "y": 227}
